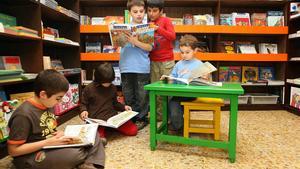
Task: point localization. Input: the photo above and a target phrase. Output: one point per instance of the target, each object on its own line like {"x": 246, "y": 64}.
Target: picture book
{"x": 117, "y": 80}
{"x": 69, "y": 100}
{"x": 295, "y": 97}
{"x": 114, "y": 20}
{"x": 275, "y": 18}
{"x": 118, "y": 33}
{"x": 206, "y": 19}
{"x": 245, "y": 46}
{"x": 195, "y": 81}
{"x": 266, "y": 73}
{"x": 115, "y": 121}
{"x": 223, "y": 73}
{"x": 82, "y": 135}
{"x": 226, "y": 19}
{"x": 259, "y": 19}
{"x": 226, "y": 47}
{"x": 10, "y": 63}
{"x": 241, "y": 19}
{"x": 6, "y": 110}
{"x": 93, "y": 47}
{"x": 21, "y": 97}
{"x": 267, "y": 48}
{"x": 234, "y": 74}
{"x": 249, "y": 74}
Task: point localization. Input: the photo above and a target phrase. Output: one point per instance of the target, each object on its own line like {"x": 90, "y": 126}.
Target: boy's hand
{"x": 58, "y": 140}
{"x": 128, "y": 108}
{"x": 84, "y": 115}
{"x": 152, "y": 25}
{"x": 163, "y": 77}
{"x": 58, "y": 133}
{"x": 131, "y": 38}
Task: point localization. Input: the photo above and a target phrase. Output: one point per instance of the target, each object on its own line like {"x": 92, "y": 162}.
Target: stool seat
{"x": 210, "y": 104}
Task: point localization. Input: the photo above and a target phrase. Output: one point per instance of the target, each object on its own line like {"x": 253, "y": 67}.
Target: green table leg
{"x": 153, "y": 125}
{"x": 232, "y": 128}
{"x": 165, "y": 114}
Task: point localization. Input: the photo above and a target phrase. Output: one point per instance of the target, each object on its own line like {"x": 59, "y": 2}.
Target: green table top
{"x": 227, "y": 88}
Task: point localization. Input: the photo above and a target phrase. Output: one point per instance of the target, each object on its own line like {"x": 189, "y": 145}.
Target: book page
{"x": 99, "y": 122}
{"x": 83, "y": 135}
{"x": 203, "y": 70}
{"x": 203, "y": 82}
{"x": 121, "y": 118}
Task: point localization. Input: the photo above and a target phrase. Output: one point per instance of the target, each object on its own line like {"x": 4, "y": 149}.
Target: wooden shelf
{"x": 57, "y": 44}
{"x": 215, "y": 29}
{"x": 6, "y": 36}
{"x": 16, "y": 82}
{"x": 201, "y": 56}
{"x": 55, "y": 15}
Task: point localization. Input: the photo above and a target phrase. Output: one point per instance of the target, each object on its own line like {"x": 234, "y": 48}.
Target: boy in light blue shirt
{"x": 135, "y": 67}
{"x": 182, "y": 69}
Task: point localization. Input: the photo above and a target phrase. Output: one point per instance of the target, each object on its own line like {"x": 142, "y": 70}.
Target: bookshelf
{"x": 293, "y": 69}
{"x": 31, "y": 14}
{"x": 214, "y": 34}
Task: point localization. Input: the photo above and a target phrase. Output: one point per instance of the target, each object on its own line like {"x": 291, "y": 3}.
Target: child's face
{"x": 187, "y": 53}
{"x": 53, "y": 100}
{"x": 154, "y": 13}
{"x": 137, "y": 13}
{"x": 106, "y": 84}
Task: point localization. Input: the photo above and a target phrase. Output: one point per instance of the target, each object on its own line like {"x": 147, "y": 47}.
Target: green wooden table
{"x": 160, "y": 133}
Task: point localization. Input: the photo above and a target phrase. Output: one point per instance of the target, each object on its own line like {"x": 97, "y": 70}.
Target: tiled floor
{"x": 265, "y": 140}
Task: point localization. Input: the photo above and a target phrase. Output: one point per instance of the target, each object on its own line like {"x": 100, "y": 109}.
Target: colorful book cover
{"x": 234, "y": 74}
{"x": 119, "y": 32}
{"x": 6, "y": 110}
{"x": 10, "y": 63}
{"x": 226, "y": 19}
{"x": 259, "y": 19}
{"x": 114, "y": 20}
{"x": 226, "y": 47}
{"x": 22, "y": 97}
{"x": 295, "y": 97}
{"x": 266, "y": 73}
{"x": 223, "y": 73}
{"x": 69, "y": 101}
{"x": 241, "y": 19}
{"x": 249, "y": 73}
{"x": 275, "y": 18}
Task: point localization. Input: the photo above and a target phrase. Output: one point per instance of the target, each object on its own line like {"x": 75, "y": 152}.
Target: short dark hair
{"x": 131, "y": 3}
{"x": 50, "y": 81}
{"x": 104, "y": 73}
{"x": 188, "y": 40}
{"x": 156, "y": 4}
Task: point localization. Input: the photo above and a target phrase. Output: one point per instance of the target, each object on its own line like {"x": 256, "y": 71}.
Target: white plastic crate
{"x": 243, "y": 99}
{"x": 263, "y": 98}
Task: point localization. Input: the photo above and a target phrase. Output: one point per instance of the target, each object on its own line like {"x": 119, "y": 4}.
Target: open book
{"x": 118, "y": 32}
{"x": 82, "y": 135}
{"x": 195, "y": 77}
{"x": 115, "y": 121}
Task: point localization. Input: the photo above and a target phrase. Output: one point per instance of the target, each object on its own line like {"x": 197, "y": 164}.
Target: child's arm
{"x": 168, "y": 31}
{"x": 83, "y": 104}
{"x": 15, "y": 149}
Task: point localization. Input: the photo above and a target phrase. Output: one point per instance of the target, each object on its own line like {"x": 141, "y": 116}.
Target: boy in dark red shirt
{"x": 161, "y": 57}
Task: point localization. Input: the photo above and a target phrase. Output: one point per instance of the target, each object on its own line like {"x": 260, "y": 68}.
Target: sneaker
{"x": 104, "y": 141}
{"x": 141, "y": 124}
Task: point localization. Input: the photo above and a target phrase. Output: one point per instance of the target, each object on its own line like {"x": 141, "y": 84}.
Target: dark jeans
{"x": 175, "y": 111}
{"x": 134, "y": 93}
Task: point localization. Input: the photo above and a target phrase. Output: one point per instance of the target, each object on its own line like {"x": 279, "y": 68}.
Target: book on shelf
{"x": 117, "y": 80}
{"x": 234, "y": 74}
{"x": 249, "y": 73}
{"x": 10, "y": 63}
{"x": 241, "y": 19}
{"x": 93, "y": 47}
{"x": 206, "y": 19}
{"x": 275, "y": 18}
{"x": 223, "y": 73}
{"x": 266, "y": 73}
{"x": 259, "y": 19}
{"x": 114, "y": 20}
{"x": 98, "y": 21}
{"x": 118, "y": 33}
{"x": 3, "y": 96}
{"x": 7, "y": 108}
{"x": 115, "y": 121}
{"x": 82, "y": 135}
{"x": 177, "y": 21}
{"x": 245, "y": 47}
{"x": 226, "y": 47}
{"x": 69, "y": 101}
{"x": 21, "y": 97}
{"x": 267, "y": 48}
{"x": 8, "y": 20}
{"x": 226, "y": 19}
{"x": 295, "y": 97}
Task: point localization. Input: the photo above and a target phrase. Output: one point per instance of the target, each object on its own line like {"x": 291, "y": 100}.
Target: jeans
{"x": 134, "y": 93}
{"x": 175, "y": 111}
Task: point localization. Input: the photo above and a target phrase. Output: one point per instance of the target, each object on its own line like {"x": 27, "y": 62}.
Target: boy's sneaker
{"x": 141, "y": 124}
{"x": 104, "y": 141}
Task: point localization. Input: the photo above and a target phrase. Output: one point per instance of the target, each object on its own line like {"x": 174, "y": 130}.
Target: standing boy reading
{"x": 99, "y": 101}
{"x": 182, "y": 69}
{"x": 135, "y": 67}
{"x": 161, "y": 57}
{"x": 33, "y": 126}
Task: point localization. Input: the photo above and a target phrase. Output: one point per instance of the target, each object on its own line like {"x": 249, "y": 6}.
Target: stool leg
{"x": 217, "y": 121}
{"x": 186, "y": 121}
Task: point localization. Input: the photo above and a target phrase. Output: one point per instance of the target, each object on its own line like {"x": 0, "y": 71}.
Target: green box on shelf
{"x": 8, "y": 20}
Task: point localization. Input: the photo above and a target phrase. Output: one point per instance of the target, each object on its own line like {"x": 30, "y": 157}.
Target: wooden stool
{"x": 213, "y": 104}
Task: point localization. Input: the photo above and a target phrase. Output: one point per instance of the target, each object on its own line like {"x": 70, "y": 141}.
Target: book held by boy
{"x": 82, "y": 135}
{"x": 118, "y": 32}
{"x": 115, "y": 121}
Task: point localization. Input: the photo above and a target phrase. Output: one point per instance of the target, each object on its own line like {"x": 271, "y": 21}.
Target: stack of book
{"x": 26, "y": 31}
